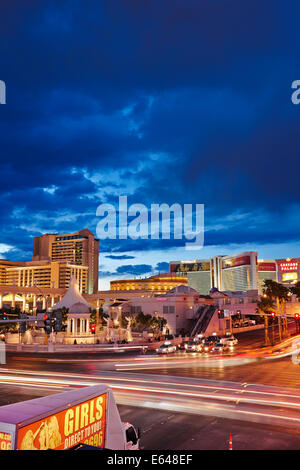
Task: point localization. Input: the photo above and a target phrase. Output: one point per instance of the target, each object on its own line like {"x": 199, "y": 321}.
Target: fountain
{"x": 108, "y": 333}
{"x": 27, "y": 337}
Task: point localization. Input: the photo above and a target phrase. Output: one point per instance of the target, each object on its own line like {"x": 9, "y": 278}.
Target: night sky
{"x": 177, "y": 101}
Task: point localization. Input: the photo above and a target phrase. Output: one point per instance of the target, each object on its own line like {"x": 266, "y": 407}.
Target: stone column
{"x": 34, "y": 304}
{"x": 13, "y": 302}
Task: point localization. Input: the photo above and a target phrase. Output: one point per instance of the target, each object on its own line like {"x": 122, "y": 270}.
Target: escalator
{"x": 205, "y": 316}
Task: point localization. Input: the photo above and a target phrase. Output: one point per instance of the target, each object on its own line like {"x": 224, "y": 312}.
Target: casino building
{"x": 159, "y": 284}
{"x": 288, "y": 270}
{"x": 56, "y": 258}
{"x": 241, "y": 272}
{"x": 78, "y": 249}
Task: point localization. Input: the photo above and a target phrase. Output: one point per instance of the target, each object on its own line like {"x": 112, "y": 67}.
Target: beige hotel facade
{"x": 56, "y": 258}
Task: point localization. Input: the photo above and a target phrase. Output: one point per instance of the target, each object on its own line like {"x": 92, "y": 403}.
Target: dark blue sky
{"x": 162, "y": 101}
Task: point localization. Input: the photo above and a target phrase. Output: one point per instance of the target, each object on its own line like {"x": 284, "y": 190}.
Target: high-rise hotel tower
{"x": 80, "y": 248}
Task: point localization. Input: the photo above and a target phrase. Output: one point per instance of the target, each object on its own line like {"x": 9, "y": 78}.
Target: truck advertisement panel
{"x": 84, "y": 422}
{"x": 5, "y": 441}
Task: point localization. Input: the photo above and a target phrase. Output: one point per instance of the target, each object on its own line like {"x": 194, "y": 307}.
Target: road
{"x": 240, "y": 401}
{"x": 168, "y": 430}
{"x": 238, "y": 367}
{"x": 209, "y": 396}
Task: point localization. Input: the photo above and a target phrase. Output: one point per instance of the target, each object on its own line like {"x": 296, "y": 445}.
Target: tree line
{"x": 274, "y": 298}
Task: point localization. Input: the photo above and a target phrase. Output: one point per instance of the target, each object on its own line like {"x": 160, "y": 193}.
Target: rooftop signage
{"x": 289, "y": 266}
{"x": 236, "y": 261}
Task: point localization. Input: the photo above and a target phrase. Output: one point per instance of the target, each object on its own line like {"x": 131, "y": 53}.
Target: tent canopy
{"x": 71, "y": 297}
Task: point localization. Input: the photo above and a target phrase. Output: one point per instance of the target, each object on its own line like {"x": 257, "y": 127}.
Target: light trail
{"x": 172, "y": 389}
{"x": 170, "y": 381}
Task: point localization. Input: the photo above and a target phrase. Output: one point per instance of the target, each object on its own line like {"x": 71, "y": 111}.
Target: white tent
{"x": 71, "y": 297}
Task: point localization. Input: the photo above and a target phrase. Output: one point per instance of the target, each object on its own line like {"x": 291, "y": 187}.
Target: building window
{"x": 135, "y": 309}
{"x": 168, "y": 309}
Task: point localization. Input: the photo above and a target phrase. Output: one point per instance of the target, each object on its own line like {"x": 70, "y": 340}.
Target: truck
{"x": 87, "y": 415}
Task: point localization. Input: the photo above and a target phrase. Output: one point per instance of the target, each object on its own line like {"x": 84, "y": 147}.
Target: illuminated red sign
{"x": 267, "y": 266}
{"x": 288, "y": 266}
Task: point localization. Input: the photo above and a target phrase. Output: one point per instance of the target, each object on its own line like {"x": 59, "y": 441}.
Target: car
{"x": 166, "y": 348}
{"x": 207, "y": 345}
{"x": 182, "y": 346}
{"x": 193, "y": 346}
{"x": 199, "y": 338}
{"x": 213, "y": 338}
{"x": 220, "y": 347}
{"x": 228, "y": 336}
{"x": 230, "y": 340}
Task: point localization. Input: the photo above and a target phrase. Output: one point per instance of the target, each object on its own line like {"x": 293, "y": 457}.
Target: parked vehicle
{"x": 166, "y": 348}
{"x": 87, "y": 415}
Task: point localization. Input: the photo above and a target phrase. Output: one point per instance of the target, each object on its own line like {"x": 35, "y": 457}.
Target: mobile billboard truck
{"x": 87, "y": 415}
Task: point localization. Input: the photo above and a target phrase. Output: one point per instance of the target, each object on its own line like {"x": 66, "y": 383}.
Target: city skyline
{"x": 67, "y": 249}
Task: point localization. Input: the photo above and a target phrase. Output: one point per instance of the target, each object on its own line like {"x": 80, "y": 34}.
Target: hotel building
{"x": 156, "y": 284}
{"x": 56, "y": 258}
{"x": 241, "y": 272}
{"x": 43, "y": 274}
{"x": 77, "y": 249}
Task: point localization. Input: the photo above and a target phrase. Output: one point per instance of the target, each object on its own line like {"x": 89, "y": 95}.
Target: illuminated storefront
{"x": 288, "y": 270}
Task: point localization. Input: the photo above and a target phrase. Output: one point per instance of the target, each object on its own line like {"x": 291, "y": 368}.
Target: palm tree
{"x": 284, "y": 296}
{"x": 274, "y": 290}
{"x": 264, "y": 307}
{"x": 295, "y": 290}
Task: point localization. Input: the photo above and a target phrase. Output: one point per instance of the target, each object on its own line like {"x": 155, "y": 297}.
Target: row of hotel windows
{"x": 140, "y": 286}
{"x": 71, "y": 237}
